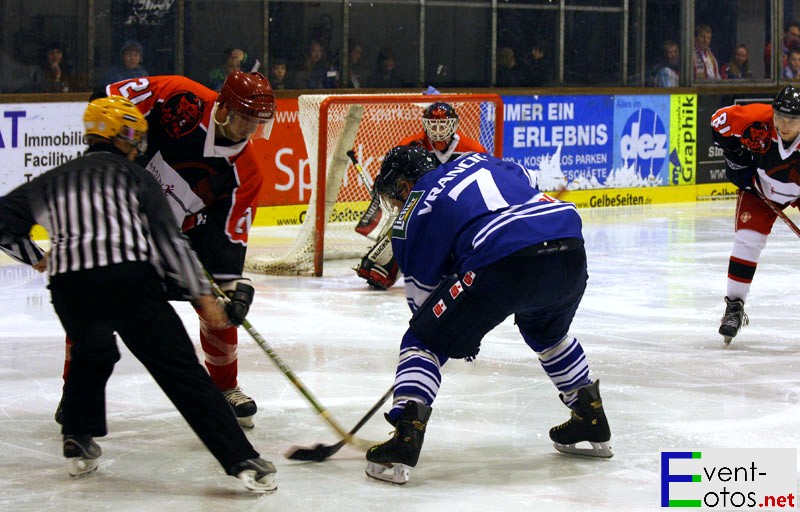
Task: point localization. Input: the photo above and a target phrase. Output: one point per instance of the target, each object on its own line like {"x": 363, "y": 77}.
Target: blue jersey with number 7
{"x": 470, "y": 212}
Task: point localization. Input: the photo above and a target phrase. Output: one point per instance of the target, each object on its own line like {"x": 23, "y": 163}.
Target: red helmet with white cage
{"x": 440, "y": 121}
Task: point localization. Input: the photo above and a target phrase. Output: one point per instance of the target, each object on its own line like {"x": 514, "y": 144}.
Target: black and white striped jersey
{"x": 99, "y": 210}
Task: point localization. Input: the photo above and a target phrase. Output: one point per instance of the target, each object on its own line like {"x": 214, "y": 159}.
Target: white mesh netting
{"x": 370, "y": 125}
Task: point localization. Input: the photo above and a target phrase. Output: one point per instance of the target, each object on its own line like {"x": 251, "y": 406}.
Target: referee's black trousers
{"x": 128, "y": 299}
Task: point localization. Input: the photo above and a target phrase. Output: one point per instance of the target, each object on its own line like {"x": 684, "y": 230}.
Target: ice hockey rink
{"x": 648, "y": 324}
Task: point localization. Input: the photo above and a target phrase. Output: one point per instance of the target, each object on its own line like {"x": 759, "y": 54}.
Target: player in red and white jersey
{"x": 761, "y": 145}
{"x": 440, "y": 136}
{"x": 201, "y": 152}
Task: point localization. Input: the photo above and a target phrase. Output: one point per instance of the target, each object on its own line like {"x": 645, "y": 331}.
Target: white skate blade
{"x": 727, "y": 340}
{"x": 264, "y": 484}
{"x": 246, "y": 422}
{"x": 394, "y": 473}
{"x": 78, "y": 466}
{"x": 599, "y": 450}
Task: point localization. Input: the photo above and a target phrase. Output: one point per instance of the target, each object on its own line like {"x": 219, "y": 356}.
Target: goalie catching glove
{"x": 240, "y": 292}
{"x": 378, "y": 266}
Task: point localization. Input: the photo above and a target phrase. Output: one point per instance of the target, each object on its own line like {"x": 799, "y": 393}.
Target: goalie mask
{"x": 402, "y": 163}
{"x": 440, "y": 121}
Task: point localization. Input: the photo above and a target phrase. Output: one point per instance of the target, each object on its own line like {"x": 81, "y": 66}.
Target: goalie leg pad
{"x": 370, "y": 223}
{"x": 378, "y": 266}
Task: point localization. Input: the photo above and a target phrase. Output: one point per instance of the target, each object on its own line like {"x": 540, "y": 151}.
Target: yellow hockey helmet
{"x": 115, "y": 117}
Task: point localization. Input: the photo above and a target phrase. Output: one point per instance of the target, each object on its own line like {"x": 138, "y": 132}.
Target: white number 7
{"x": 487, "y": 187}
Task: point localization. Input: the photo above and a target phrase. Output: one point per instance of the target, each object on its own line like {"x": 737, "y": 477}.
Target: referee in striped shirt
{"x": 114, "y": 255}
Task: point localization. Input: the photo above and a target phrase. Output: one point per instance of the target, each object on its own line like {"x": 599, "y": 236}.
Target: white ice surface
{"x": 648, "y": 324}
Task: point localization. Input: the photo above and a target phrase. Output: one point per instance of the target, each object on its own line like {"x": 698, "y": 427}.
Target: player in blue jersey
{"x": 477, "y": 242}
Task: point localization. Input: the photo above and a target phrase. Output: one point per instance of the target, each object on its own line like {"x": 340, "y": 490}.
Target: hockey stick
{"x": 284, "y": 368}
{"x": 365, "y": 178}
{"x": 373, "y": 218}
{"x": 780, "y": 213}
{"x": 319, "y": 452}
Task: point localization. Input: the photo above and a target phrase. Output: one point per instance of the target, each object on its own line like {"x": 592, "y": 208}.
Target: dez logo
{"x": 644, "y": 143}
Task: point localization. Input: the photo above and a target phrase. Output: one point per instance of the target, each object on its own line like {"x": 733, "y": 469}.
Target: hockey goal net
{"x": 369, "y": 125}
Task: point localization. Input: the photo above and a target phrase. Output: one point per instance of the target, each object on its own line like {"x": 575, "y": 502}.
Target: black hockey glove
{"x": 742, "y": 178}
{"x": 240, "y": 293}
{"x": 739, "y": 168}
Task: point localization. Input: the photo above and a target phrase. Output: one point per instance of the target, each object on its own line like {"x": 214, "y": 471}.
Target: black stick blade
{"x": 317, "y": 453}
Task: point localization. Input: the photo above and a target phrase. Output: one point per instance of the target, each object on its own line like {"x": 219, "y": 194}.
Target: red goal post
{"x": 370, "y": 125}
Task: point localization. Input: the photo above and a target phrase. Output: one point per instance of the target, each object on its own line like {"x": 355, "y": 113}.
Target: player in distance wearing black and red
{"x": 201, "y": 152}
{"x": 760, "y": 143}
{"x": 441, "y": 137}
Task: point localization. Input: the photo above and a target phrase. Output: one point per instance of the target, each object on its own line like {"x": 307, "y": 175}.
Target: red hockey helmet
{"x": 250, "y": 96}
{"x": 440, "y": 121}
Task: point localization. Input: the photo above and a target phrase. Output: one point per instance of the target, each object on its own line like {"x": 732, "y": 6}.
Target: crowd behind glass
{"x": 76, "y": 46}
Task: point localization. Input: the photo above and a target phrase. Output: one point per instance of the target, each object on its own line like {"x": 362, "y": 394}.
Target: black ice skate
{"x": 587, "y": 424}
{"x": 257, "y": 474}
{"x": 733, "y": 320}
{"x": 243, "y": 406}
{"x": 392, "y": 461}
{"x": 82, "y": 453}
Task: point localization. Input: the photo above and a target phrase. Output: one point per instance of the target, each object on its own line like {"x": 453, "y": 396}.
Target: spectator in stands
{"x": 705, "y": 63}
{"x": 791, "y": 71}
{"x": 53, "y": 75}
{"x": 313, "y": 71}
{"x": 791, "y": 39}
{"x": 385, "y": 76}
{"x": 539, "y": 66}
{"x": 130, "y": 66}
{"x": 739, "y": 66}
{"x": 666, "y": 73}
{"x": 234, "y": 58}
{"x": 509, "y": 72}
{"x": 277, "y": 74}
{"x": 357, "y": 74}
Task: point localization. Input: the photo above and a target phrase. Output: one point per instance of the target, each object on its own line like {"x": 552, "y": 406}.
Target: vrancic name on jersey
{"x": 464, "y": 164}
